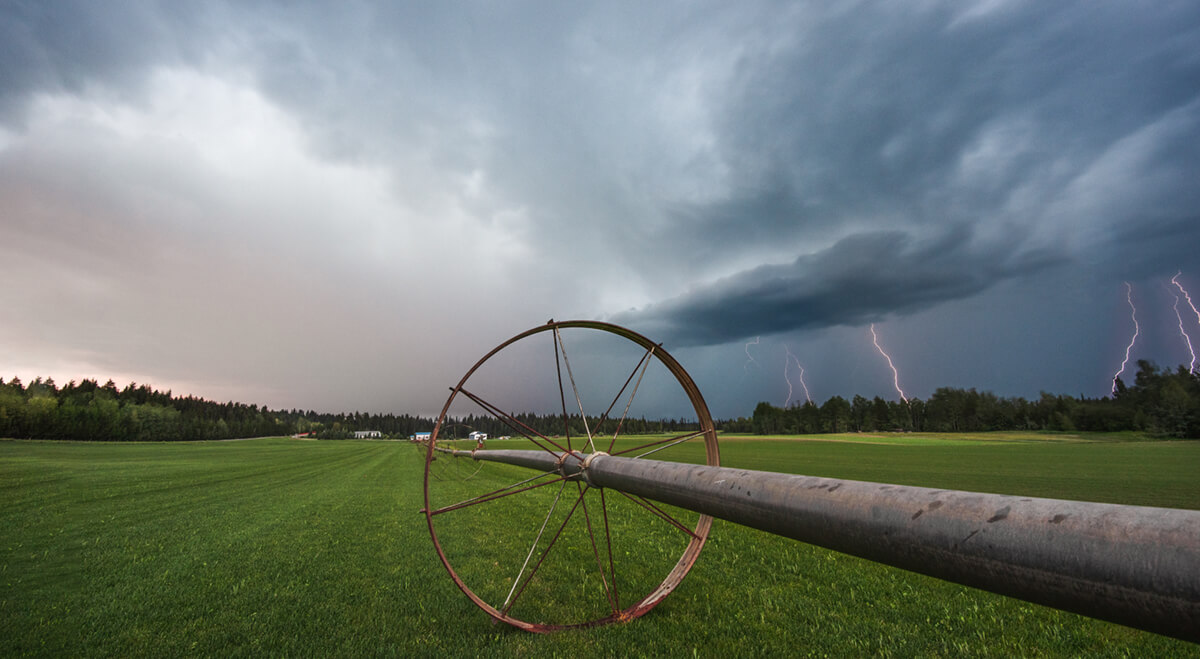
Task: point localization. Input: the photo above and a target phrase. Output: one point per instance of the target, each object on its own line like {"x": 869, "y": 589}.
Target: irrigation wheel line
{"x": 445, "y": 467}
{"x": 565, "y": 521}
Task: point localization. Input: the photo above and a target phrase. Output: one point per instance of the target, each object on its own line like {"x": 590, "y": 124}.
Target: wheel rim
{"x": 542, "y": 552}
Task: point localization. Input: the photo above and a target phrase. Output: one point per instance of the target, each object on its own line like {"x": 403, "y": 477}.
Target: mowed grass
{"x": 945, "y": 439}
{"x": 316, "y": 548}
{"x": 1158, "y": 473}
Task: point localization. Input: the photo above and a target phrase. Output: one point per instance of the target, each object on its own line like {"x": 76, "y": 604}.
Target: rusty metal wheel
{"x": 444, "y": 467}
{"x": 543, "y": 551}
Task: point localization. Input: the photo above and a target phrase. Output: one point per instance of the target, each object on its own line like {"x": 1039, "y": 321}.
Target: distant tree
{"x": 916, "y": 411}
{"x": 836, "y": 414}
{"x": 880, "y": 414}
{"x": 860, "y": 410}
{"x": 767, "y": 419}
{"x": 898, "y": 415}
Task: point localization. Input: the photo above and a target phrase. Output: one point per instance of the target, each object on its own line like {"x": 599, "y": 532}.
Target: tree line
{"x": 1160, "y": 402}
{"x": 89, "y": 411}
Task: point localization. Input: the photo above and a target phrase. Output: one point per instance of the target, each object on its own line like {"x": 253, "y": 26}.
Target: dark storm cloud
{"x": 878, "y": 107}
{"x": 1067, "y": 130}
{"x": 67, "y": 46}
{"x": 858, "y": 280}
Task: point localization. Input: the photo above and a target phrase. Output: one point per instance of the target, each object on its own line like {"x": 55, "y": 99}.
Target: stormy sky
{"x": 341, "y": 206}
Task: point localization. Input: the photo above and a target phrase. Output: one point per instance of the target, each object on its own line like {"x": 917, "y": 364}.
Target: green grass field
{"x": 317, "y": 548}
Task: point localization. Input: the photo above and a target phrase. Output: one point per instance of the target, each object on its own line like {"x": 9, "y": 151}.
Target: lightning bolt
{"x": 749, "y": 357}
{"x": 1187, "y": 339}
{"x": 1132, "y": 340}
{"x": 1175, "y": 280}
{"x": 895, "y": 373}
{"x": 787, "y": 361}
{"x": 802, "y": 384}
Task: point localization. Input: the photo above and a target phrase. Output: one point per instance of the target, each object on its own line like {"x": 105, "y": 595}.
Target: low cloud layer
{"x": 859, "y": 280}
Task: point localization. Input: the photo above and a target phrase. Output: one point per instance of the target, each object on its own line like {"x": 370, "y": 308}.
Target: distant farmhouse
{"x": 421, "y": 437}
{"x": 362, "y": 434}
{"x": 477, "y": 436}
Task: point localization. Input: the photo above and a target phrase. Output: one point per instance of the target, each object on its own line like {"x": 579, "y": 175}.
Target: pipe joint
{"x": 586, "y": 464}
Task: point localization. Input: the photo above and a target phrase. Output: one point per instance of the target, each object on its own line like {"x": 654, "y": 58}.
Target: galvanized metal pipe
{"x": 1134, "y": 565}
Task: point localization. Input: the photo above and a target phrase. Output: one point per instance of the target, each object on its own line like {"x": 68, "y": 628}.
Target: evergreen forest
{"x": 88, "y": 411}
{"x": 1160, "y": 402}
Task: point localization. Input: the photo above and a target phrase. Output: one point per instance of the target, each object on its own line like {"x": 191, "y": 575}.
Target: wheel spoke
{"x": 513, "y": 422}
{"x": 670, "y": 441}
{"x": 562, "y": 396}
{"x": 536, "y": 540}
{"x": 498, "y": 494}
{"x": 574, "y": 388}
{"x": 546, "y": 552}
{"x": 643, "y": 364}
{"x": 612, "y": 568}
{"x": 661, "y": 514}
{"x": 608, "y": 593}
